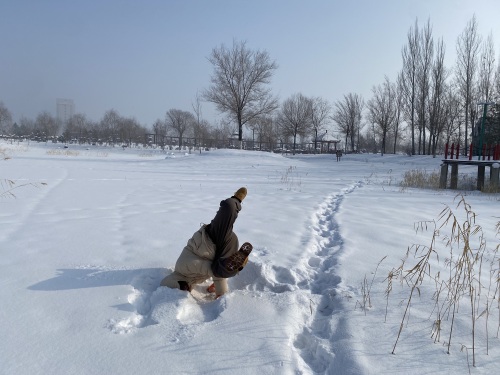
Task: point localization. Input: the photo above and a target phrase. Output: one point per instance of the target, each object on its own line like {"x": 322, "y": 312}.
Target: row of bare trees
{"x": 44, "y": 126}
{"x": 428, "y": 104}
{"x": 112, "y": 128}
{"x": 240, "y": 90}
{"x": 435, "y": 102}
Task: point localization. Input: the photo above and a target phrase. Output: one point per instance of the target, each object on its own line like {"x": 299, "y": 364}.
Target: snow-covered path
{"x": 324, "y": 342}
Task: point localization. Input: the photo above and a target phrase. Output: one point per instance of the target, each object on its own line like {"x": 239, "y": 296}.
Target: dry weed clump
{"x": 99, "y": 154}
{"x": 467, "y": 287}
{"x": 419, "y": 178}
{"x": 291, "y": 179}
{"x": 7, "y": 186}
{"x": 62, "y": 153}
{"x": 3, "y": 154}
{"x": 422, "y": 179}
{"x": 366, "y": 287}
{"x": 490, "y": 189}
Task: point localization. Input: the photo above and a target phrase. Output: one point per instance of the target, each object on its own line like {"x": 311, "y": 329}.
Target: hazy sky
{"x": 143, "y": 58}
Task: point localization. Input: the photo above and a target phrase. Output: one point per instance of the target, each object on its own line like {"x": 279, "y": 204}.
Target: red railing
{"x": 453, "y": 152}
{"x": 488, "y": 152}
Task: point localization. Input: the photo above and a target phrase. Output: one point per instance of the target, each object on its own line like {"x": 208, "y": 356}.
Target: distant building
{"x": 65, "y": 109}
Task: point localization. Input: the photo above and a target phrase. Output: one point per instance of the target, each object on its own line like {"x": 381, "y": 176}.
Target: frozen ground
{"x": 87, "y": 239}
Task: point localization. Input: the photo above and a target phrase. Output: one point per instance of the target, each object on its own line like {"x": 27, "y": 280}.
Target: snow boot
{"x": 230, "y": 266}
{"x": 238, "y": 260}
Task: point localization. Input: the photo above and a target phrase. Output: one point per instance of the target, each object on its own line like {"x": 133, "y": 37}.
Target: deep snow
{"x": 87, "y": 239}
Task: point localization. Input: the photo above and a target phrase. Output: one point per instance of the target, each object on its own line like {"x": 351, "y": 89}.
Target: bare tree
{"x": 487, "y": 70}
{"x": 423, "y": 81}
{"x": 201, "y": 128}
{"x": 160, "y": 133}
{"x": 437, "y": 111}
{"x": 46, "y": 126}
{"x": 382, "y": 109}
{"x": 240, "y": 83}
{"x": 347, "y": 114}
{"x": 256, "y": 125}
{"x": 180, "y": 121}
{"x": 5, "y": 119}
{"x": 268, "y": 132}
{"x": 399, "y": 110}
{"x": 411, "y": 57}
{"x": 201, "y": 131}
{"x": 76, "y": 127}
{"x": 320, "y": 116}
{"x": 468, "y": 44}
{"x": 109, "y": 126}
{"x": 26, "y": 127}
{"x": 196, "y": 105}
{"x": 452, "y": 115}
{"x": 265, "y": 132}
{"x": 294, "y": 117}
{"x": 220, "y": 133}
{"x": 130, "y": 131}
{"x": 497, "y": 82}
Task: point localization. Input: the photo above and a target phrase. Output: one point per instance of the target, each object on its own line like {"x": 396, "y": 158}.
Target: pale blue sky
{"x": 143, "y": 58}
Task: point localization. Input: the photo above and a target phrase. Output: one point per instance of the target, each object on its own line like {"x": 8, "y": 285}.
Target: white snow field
{"x": 91, "y": 231}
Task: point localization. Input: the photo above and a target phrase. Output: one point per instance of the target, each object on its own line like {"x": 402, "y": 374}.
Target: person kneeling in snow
{"x": 212, "y": 251}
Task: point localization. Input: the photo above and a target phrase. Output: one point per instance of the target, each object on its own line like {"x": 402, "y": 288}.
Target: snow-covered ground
{"x": 87, "y": 239}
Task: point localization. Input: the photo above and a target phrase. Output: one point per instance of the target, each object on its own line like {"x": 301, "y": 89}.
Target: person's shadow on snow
{"x": 144, "y": 300}
{"x": 147, "y": 279}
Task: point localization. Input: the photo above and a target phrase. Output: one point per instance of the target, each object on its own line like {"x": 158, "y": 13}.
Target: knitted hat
{"x": 241, "y": 193}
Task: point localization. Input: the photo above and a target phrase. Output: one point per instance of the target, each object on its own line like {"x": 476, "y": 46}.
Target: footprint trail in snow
{"x": 322, "y": 341}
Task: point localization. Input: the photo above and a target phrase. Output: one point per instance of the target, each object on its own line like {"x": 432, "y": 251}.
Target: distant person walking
{"x": 339, "y": 154}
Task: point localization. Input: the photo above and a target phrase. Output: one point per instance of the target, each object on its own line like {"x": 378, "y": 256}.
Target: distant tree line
{"x": 424, "y": 107}
{"x": 430, "y": 104}
{"x": 112, "y": 129}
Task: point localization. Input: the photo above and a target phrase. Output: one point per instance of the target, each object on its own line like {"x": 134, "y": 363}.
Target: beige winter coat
{"x": 195, "y": 260}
